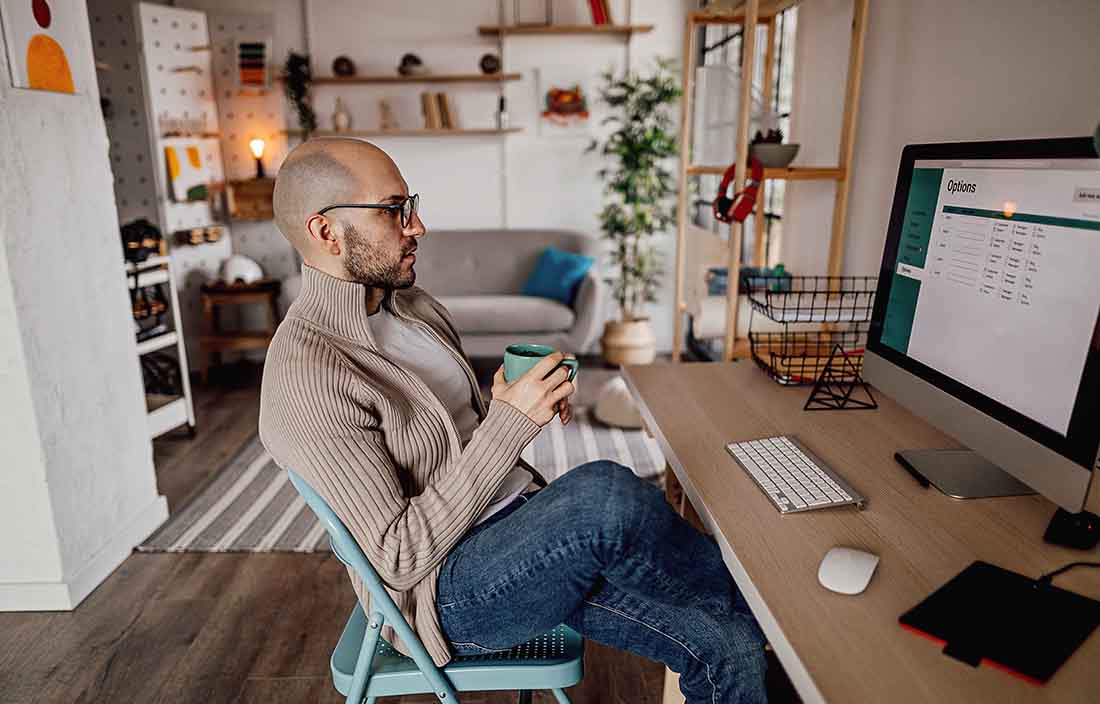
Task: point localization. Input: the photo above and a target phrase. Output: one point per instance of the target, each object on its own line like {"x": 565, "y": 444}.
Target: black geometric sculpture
{"x": 838, "y": 382}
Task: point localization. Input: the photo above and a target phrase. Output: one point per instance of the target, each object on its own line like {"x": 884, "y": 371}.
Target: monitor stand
{"x": 964, "y": 474}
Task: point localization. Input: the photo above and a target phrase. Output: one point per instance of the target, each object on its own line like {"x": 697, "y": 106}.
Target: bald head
{"x": 326, "y": 171}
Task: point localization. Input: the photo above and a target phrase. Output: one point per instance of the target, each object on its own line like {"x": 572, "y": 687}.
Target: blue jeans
{"x": 602, "y": 551}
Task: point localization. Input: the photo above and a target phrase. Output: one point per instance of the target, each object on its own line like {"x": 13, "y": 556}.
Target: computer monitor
{"x": 987, "y": 316}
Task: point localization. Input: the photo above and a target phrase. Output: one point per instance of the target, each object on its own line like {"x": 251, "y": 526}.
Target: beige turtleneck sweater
{"x": 378, "y": 445}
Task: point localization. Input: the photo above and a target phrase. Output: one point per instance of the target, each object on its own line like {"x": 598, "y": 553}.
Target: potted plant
{"x": 767, "y": 144}
{"x": 297, "y": 79}
{"x": 639, "y": 204}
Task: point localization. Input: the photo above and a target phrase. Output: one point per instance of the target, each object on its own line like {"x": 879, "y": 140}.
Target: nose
{"x": 416, "y": 227}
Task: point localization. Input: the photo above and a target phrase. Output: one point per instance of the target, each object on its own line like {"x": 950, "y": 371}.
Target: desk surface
{"x": 850, "y": 648}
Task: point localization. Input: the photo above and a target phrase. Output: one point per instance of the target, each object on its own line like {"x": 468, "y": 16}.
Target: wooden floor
{"x": 208, "y": 628}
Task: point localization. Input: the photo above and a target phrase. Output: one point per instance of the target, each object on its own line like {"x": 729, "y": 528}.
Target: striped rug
{"x": 250, "y": 506}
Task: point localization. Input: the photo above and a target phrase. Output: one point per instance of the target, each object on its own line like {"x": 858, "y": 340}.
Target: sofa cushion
{"x": 507, "y": 314}
{"x": 557, "y": 275}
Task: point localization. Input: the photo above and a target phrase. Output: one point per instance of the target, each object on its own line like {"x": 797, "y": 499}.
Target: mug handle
{"x": 573, "y": 365}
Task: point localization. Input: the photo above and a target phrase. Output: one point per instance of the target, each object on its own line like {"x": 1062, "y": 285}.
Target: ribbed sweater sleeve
{"x": 321, "y": 419}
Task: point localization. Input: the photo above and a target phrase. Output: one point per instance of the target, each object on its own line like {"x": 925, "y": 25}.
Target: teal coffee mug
{"x": 519, "y": 358}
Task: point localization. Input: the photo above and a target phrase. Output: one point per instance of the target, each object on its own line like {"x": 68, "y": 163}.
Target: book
{"x": 447, "y": 118}
{"x": 606, "y": 5}
{"x": 430, "y": 107}
{"x": 596, "y": 6}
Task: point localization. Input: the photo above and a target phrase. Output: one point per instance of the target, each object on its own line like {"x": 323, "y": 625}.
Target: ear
{"x": 321, "y": 233}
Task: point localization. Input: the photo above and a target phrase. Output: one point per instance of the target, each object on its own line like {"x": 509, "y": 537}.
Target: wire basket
{"x": 799, "y": 358}
{"x": 812, "y": 299}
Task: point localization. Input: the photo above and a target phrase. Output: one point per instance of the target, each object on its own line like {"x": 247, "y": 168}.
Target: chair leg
{"x": 359, "y": 681}
{"x": 525, "y": 697}
{"x": 560, "y": 695}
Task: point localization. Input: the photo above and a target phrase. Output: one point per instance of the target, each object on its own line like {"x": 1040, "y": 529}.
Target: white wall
{"x": 77, "y": 487}
{"x": 522, "y": 180}
{"x": 935, "y": 70}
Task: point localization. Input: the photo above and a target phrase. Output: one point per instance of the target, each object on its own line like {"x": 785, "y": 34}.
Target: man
{"x": 368, "y": 395}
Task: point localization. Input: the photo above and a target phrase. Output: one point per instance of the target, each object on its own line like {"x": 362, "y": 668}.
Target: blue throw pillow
{"x": 557, "y": 275}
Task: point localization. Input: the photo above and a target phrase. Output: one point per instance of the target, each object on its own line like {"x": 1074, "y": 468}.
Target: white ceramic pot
{"x": 629, "y": 342}
{"x": 616, "y": 407}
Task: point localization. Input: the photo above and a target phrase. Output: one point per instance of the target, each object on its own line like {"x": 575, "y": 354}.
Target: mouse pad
{"x": 986, "y": 613}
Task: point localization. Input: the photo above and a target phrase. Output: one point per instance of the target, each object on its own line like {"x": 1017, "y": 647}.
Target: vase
{"x": 341, "y": 118}
{"x": 629, "y": 342}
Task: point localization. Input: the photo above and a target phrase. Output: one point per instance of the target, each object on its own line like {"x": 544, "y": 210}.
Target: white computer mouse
{"x": 846, "y": 570}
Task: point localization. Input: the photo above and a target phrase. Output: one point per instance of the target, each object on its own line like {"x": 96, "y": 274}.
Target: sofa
{"x": 478, "y": 276}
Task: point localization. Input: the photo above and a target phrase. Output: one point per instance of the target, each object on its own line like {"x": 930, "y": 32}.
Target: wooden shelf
{"x": 427, "y": 78}
{"x": 736, "y": 15}
{"x": 789, "y": 173}
{"x": 408, "y": 133}
{"x": 157, "y": 343}
{"x": 623, "y": 30}
{"x": 147, "y": 277}
{"x": 191, "y": 135}
{"x": 164, "y": 413}
{"x": 148, "y": 263}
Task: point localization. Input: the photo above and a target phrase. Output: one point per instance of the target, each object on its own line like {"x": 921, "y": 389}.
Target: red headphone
{"x": 738, "y": 208}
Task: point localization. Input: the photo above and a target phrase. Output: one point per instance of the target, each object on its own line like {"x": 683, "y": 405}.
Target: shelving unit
{"x": 408, "y": 133}
{"x": 622, "y": 30}
{"x": 706, "y": 247}
{"x": 164, "y": 412}
{"x": 789, "y": 173}
{"x": 426, "y": 78}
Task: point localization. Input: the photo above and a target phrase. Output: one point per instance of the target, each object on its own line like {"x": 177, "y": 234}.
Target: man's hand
{"x": 564, "y": 409}
{"x": 539, "y": 399}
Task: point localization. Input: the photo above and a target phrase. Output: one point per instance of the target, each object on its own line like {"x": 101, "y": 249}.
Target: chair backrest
{"x": 349, "y": 552}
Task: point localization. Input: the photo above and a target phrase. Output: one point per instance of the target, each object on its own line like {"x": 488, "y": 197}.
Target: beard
{"x": 372, "y": 265}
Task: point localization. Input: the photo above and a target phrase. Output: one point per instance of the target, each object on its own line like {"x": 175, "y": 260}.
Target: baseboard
{"x": 67, "y": 595}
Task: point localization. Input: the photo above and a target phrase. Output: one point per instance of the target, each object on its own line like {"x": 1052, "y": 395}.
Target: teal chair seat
{"x": 365, "y": 666}
{"x": 550, "y": 661}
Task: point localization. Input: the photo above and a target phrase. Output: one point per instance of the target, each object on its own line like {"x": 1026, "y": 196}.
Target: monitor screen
{"x": 998, "y": 278}
{"x": 993, "y": 283}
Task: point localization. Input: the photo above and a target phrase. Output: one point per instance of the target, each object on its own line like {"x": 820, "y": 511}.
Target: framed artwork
{"x": 563, "y": 102}
{"x": 41, "y": 39}
{"x": 253, "y": 63}
{"x": 187, "y": 173}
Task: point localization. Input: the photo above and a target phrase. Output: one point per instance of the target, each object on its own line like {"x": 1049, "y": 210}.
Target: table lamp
{"x": 257, "y": 147}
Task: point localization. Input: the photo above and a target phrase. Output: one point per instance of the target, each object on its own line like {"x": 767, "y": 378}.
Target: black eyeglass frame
{"x": 405, "y": 219}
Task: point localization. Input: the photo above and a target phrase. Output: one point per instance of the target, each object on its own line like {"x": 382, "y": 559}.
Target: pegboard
{"x": 243, "y": 115}
{"x": 114, "y": 44}
{"x": 179, "y": 87}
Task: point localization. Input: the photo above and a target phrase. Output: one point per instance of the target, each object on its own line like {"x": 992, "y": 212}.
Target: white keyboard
{"x": 791, "y": 476}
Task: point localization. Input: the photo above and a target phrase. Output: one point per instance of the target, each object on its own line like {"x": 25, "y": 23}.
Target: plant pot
{"x": 628, "y": 342}
{"x": 774, "y": 156}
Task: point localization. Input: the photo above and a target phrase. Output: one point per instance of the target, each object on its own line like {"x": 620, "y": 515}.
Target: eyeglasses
{"x": 408, "y": 207}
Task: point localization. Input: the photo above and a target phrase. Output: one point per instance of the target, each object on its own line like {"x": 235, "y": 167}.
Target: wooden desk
{"x": 850, "y": 648}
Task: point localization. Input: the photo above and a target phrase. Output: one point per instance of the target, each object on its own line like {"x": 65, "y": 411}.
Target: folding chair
{"x": 365, "y": 666}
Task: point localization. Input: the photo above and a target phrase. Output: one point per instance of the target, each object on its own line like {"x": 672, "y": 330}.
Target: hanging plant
{"x": 297, "y": 79}
{"x": 639, "y": 185}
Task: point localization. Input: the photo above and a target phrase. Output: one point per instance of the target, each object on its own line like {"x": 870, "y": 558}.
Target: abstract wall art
{"x": 40, "y": 36}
